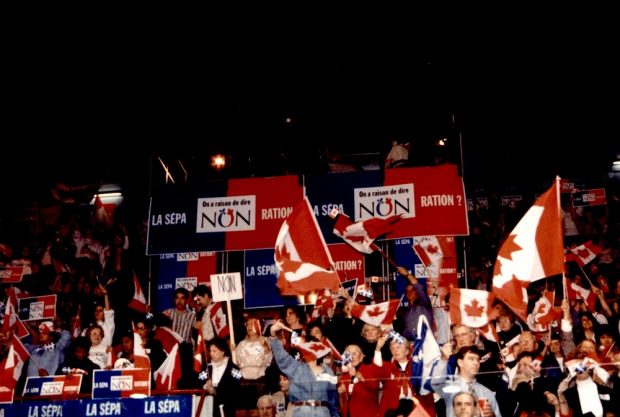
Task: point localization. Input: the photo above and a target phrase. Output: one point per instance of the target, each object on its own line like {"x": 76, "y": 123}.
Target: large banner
{"x": 244, "y": 214}
{"x": 235, "y": 215}
{"x": 182, "y": 270}
{"x": 169, "y": 406}
{"x": 431, "y": 200}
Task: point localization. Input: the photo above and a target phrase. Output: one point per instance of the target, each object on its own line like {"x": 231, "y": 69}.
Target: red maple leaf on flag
{"x": 218, "y": 322}
{"x": 432, "y": 249}
{"x": 377, "y": 311}
{"x": 474, "y": 309}
{"x": 317, "y": 347}
{"x": 583, "y": 253}
{"x": 510, "y": 246}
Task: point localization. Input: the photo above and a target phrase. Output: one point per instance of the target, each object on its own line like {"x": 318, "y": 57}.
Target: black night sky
{"x": 107, "y": 94}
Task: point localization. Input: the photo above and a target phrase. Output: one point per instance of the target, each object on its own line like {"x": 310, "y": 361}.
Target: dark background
{"x": 108, "y": 91}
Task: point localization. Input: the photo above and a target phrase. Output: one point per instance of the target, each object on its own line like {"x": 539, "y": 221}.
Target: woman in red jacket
{"x": 359, "y": 386}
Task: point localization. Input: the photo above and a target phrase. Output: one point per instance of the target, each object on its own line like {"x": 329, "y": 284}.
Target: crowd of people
{"x": 287, "y": 363}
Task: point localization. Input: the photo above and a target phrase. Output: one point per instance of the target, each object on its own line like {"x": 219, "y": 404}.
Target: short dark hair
{"x": 201, "y": 290}
{"x": 468, "y": 349}
{"x": 182, "y": 291}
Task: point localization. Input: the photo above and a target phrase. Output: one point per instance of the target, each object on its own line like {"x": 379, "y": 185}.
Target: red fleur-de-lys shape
{"x": 474, "y": 309}
{"x": 583, "y": 253}
{"x": 509, "y": 247}
{"x": 377, "y": 311}
{"x": 432, "y": 249}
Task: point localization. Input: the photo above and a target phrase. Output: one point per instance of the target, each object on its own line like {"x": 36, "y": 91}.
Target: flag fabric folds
{"x": 218, "y": 318}
{"x": 324, "y": 301}
{"x": 361, "y": 235}
{"x": 424, "y": 355}
{"x": 473, "y": 308}
{"x": 138, "y": 302}
{"x": 301, "y": 254}
{"x": 533, "y": 250}
{"x": 576, "y": 292}
{"x": 584, "y": 253}
{"x": 376, "y": 314}
{"x": 429, "y": 249}
{"x": 544, "y": 313}
{"x": 168, "y": 374}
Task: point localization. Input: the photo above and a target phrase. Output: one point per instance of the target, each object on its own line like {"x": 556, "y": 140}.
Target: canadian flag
{"x": 430, "y": 249}
{"x": 473, "y": 308}
{"x": 168, "y": 374}
{"x": 312, "y": 350}
{"x": 138, "y": 302}
{"x": 324, "y": 301}
{"x": 576, "y": 292}
{"x": 362, "y": 234}
{"x": 489, "y": 332}
{"x": 584, "y": 253}
{"x": 218, "y": 318}
{"x": 10, "y": 311}
{"x": 168, "y": 338}
{"x": 199, "y": 352}
{"x": 533, "y": 250}
{"x": 544, "y": 312}
{"x": 301, "y": 254}
{"x": 376, "y": 314}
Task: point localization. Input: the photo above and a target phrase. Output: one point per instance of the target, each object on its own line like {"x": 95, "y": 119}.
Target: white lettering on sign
{"x": 226, "y": 286}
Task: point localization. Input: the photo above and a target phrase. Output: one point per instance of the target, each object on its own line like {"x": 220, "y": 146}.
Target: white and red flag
{"x": 168, "y": 374}
{"x": 576, "y": 292}
{"x": 584, "y": 253}
{"x": 218, "y": 318}
{"x": 324, "y": 301}
{"x": 429, "y": 249}
{"x": 376, "y": 314}
{"x": 473, "y": 308}
{"x": 301, "y": 254}
{"x": 138, "y": 302}
{"x": 312, "y": 350}
{"x": 140, "y": 356}
{"x": 533, "y": 250}
{"x": 361, "y": 235}
{"x": 544, "y": 312}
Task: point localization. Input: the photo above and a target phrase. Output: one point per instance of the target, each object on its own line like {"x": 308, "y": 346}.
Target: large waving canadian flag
{"x": 533, "y": 250}
{"x": 301, "y": 254}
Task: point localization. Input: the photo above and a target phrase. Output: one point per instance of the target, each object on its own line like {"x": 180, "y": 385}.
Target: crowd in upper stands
{"x": 333, "y": 364}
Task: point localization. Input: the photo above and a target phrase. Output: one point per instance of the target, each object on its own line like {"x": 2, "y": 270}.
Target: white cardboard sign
{"x": 226, "y": 286}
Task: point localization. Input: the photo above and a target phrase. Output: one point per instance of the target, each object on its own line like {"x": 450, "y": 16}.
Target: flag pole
{"x": 378, "y": 249}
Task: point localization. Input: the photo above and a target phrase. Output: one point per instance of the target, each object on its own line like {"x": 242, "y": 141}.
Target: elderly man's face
{"x": 266, "y": 408}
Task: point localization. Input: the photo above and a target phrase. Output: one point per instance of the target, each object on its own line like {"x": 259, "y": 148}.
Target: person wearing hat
{"x": 47, "y": 350}
{"x": 312, "y": 385}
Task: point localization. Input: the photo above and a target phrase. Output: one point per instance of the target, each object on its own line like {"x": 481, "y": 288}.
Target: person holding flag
{"x": 414, "y": 304}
